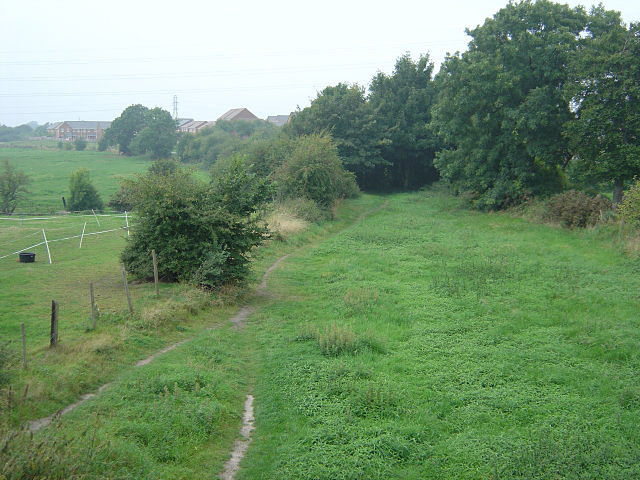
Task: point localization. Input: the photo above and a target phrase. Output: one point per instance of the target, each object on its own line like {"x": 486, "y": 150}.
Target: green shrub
{"x": 335, "y": 340}
{"x": 60, "y": 145}
{"x": 576, "y": 209}
{"x": 629, "y": 209}
{"x": 304, "y": 209}
{"x": 123, "y": 199}
{"x": 313, "y": 170}
{"x": 80, "y": 144}
{"x": 201, "y": 233}
{"x": 84, "y": 195}
{"x": 68, "y": 146}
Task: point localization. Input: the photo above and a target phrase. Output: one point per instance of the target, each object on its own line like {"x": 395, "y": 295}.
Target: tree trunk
{"x": 617, "y": 191}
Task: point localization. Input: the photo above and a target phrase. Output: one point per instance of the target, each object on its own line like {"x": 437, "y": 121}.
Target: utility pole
{"x": 175, "y": 108}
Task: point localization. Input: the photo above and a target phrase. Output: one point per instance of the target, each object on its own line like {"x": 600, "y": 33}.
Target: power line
{"x": 251, "y": 54}
{"x": 206, "y": 91}
{"x": 210, "y": 73}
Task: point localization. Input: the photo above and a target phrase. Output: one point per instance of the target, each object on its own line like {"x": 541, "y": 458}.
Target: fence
{"x": 46, "y": 241}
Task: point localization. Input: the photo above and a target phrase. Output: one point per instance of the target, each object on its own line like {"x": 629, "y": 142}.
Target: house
{"x": 237, "y": 114}
{"x": 71, "y": 130}
{"x": 181, "y": 121}
{"x": 51, "y": 127}
{"x": 279, "y": 120}
{"x": 194, "y": 126}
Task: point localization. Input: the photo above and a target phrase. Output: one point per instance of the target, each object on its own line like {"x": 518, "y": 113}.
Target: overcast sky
{"x": 89, "y": 60}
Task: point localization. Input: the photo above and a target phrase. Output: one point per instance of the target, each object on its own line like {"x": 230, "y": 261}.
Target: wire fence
{"x": 62, "y": 231}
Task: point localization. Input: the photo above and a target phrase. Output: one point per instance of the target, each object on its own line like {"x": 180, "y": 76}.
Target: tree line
{"x": 545, "y": 97}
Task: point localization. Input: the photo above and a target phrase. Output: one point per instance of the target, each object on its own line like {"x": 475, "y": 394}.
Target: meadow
{"x": 50, "y": 170}
{"x": 84, "y": 358}
{"x": 419, "y": 341}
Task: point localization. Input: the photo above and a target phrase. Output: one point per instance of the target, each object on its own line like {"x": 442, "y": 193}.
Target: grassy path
{"x": 432, "y": 342}
{"x": 176, "y": 416}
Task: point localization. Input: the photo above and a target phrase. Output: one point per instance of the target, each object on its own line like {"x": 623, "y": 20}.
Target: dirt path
{"x": 238, "y": 320}
{"x": 241, "y": 445}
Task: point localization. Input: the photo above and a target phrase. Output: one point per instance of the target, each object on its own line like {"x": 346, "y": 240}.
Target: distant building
{"x": 238, "y": 114}
{"x": 181, "y": 121}
{"x": 279, "y": 120}
{"x": 70, "y": 130}
{"x": 194, "y": 126}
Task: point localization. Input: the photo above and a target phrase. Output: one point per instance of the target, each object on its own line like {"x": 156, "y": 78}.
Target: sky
{"x": 79, "y": 60}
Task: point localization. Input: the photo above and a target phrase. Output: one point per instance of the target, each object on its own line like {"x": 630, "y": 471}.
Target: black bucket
{"x": 27, "y": 257}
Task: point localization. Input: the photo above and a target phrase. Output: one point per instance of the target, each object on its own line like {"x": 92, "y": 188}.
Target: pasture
{"x": 50, "y": 170}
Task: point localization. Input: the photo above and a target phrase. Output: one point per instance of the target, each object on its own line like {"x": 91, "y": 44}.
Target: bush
{"x": 80, "y": 144}
{"x": 163, "y": 167}
{"x": 122, "y": 200}
{"x": 630, "y": 207}
{"x": 61, "y": 145}
{"x": 576, "y": 209}
{"x": 304, "y": 209}
{"x": 201, "y": 233}
{"x": 313, "y": 170}
{"x": 68, "y": 146}
{"x": 84, "y": 195}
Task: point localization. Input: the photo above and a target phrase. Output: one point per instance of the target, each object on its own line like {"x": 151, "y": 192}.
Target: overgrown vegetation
{"x": 630, "y": 208}
{"x": 313, "y": 171}
{"x": 575, "y": 209}
{"x": 223, "y": 140}
{"x": 13, "y": 187}
{"x": 84, "y": 195}
{"x": 201, "y": 233}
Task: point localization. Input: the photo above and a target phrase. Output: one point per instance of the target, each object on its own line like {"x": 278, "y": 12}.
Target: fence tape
{"x": 61, "y": 239}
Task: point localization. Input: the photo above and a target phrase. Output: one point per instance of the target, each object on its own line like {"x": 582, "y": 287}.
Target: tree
{"x": 401, "y": 103}
{"x": 201, "y": 233}
{"x": 314, "y": 171}
{"x": 84, "y": 195}
{"x": 344, "y": 113}
{"x": 13, "y": 186}
{"x": 158, "y": 136}
{"x": 604, "y": 89}
{"x": 80, "y": 144}
{"x": 501, "y": 107}
{"x": 139, "y": 130}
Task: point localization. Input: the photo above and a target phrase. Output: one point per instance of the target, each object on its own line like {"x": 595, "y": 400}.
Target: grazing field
{"x": 83, "y": 358}
{"x": 421, "y": 341}
{"x": 174, "y": 418}
{"x": 430, "y": 342}
{"x": 50, "y": 171}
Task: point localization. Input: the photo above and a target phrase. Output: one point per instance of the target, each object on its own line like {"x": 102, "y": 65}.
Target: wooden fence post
{"x": 126, "y": 288}
{"x": 155, "y": 271}
{"x": 93, "y": 306}
{"x": 54, "y": 324}
{"x": 24, "y": 346}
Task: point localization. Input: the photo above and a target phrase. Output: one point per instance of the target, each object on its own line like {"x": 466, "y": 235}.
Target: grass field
{"x": 50, "y": 171}
{"x": 423, "y": 341}
{"x": 202, "y": 384}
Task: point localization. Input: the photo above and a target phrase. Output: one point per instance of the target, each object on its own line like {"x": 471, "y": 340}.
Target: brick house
{"x": 71, "y": 130}
{"x": 238, "y": 114}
